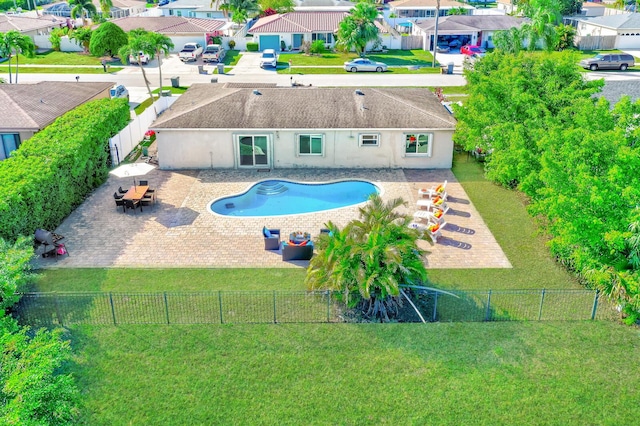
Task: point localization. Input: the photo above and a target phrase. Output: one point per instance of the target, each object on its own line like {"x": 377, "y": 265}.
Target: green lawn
{"x": 59, "y": 58}
{"x": 56, "y": 70}
{"x": 359, "y": 374}
{"x": 575, "y": 372}
{"x": 392, "y": 57}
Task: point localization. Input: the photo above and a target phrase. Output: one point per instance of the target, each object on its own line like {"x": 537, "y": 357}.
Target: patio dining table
{"x": 135, "y": 193}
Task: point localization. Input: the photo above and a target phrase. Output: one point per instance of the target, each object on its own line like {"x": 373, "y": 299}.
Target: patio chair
{"x": 434, "y": 191}
{"x": 147, "y": 200}
{"x": 436, "y": 232}
{"x": 52, "y": 243}
{"x": 271, "y": 238}
{"x": 301, "y": 251}
{"x": 122, "y": 191}
{"x": 120, "y": 203}
{"x": 132, "y": 204}
{"x": 143, "y": 182}
{"x": 117, "y": 196}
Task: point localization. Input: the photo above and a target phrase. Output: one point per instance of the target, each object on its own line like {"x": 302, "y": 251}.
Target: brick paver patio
{"x": 179, "y": 231}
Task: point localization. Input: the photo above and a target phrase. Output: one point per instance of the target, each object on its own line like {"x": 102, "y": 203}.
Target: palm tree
{"x": 82, "y": 36}
{"x": 138, "y": 43}
{"x": 13, "y": 42}
{"x": 544, "y": 14}
{"x": 161, "y": 44}
{"x": 369, "y": 260}
{"x": 241, "y": 10}
{"x": 105, "y": 7}
{"x": 83, "y": 9}
{"x": 358, "y": 28}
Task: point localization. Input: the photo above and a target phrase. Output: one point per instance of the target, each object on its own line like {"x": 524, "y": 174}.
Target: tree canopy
{"x": 369, "y": 259}
{"x": 358, "y": 28}
{"x": 108, "y": 38}
{"x": 574, "y": 157}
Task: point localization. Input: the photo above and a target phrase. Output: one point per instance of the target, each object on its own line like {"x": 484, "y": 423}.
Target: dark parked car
{"x": 613, "y": 61}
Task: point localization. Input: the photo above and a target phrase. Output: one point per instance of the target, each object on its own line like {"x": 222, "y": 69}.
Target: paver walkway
{"x": 180, "y": 232}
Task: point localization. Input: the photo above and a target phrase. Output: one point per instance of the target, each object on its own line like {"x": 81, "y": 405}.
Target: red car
{"x": 472, "y": 50}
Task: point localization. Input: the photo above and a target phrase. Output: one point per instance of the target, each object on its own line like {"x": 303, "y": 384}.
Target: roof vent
{"x": 256, "y": 92}
{"x": 359, "y": 92}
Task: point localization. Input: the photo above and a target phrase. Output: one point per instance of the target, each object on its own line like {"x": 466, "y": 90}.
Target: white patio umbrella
{"x": 132, "y": 170}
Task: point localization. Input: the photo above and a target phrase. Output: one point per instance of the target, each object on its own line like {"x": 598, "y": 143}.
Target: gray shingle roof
{"x": 25, "y": 24}
{"x": 472, "y": 23}
{"x": 34, "y": 106}
{"x": 212, "y": 106}
{"x": 626, "y": 21}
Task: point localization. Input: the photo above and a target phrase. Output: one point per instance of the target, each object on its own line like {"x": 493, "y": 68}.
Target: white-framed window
{"x": 418, "y": 144}
{"x": 9, "y": 142}
{"x": 369, "y": 139}
{"x": 325, "y": 37}
{"x": 310, "y": 144}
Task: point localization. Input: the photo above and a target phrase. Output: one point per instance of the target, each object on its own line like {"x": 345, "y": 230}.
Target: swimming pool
{"x": 282, "y": 197}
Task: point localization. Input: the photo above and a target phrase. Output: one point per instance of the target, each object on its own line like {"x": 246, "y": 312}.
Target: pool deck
{"x": 179, "y": 231}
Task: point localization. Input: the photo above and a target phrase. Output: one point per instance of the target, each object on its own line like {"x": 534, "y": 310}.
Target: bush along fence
{"x": 65, "y": 309}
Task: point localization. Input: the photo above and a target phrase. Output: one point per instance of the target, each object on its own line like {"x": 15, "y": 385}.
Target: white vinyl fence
{"x": 129, "y": 137}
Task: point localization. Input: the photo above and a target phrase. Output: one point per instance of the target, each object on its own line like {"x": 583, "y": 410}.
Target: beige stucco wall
{"x": 206, "y": 148}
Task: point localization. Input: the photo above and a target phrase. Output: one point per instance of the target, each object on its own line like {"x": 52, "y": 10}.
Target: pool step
{"x": 271, "y": 188}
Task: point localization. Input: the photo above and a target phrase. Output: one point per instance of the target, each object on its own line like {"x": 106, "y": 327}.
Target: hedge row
{"x": 52, "y": 172}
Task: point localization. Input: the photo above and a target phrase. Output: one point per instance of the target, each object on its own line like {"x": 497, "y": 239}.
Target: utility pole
{"x": 435, "y": 36}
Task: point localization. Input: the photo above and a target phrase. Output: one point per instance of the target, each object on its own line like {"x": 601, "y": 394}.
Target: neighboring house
{"x": 590, "y": 9}
{"x": 30, "y": 26}
{"x": 507, "y": 6}
{"x": 295, "y": 27}
{"x": 181, "y": 30}
{"x": 193, "y": 9}
{"x": 27, "y": 108}
{"x": 406, "y": 10}
{"x": 465, "y": 29}
{"x": 623, "y": 29}
{"x": 122, "y": 8}
{"x": 217, "y": 126}
{"x": 323, "y": 5}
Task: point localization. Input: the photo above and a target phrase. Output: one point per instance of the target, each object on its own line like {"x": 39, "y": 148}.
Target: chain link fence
{"x": 222, "y": 307}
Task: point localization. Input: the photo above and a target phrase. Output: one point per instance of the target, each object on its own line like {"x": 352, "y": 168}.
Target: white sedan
{"x": 364, "y": 64}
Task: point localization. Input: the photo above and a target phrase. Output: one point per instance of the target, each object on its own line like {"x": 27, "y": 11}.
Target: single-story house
{"x": 625, "y": 27}
{"x": 30, "y": 26}
{"x": 181, "y": 30}
{"x": 476, "y": 30}
{"x": 220, "y": 126}
{"x": 590, "y": 9}
{"x": 206, "y": 9}
{"x": 401, "y": 13}
{"x": 295, "y": 27}
{"x": 27, "y": 108}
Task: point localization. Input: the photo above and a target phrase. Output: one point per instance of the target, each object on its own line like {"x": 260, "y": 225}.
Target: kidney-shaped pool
{"x": 281, "y": 197}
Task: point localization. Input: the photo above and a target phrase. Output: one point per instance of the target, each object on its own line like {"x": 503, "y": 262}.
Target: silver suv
{"x": 612, "y": 61}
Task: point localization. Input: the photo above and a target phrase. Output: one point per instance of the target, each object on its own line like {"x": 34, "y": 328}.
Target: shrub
{"x": 305, "y": 47}
{"x": 51, "y": 173}
{"x": 317, "y": 47}
{"x": 232, "y": 44}
{"x": 252, "y": 46}
{"x": 215, "y": 40}
{"x": 15, "y": 269}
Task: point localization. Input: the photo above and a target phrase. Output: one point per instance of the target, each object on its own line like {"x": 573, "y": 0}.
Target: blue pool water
{"x": 280, "y": 197}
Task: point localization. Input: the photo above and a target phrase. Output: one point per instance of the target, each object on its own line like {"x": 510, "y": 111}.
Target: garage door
{"x": 628, "y": 41}
{"x": 270, "y": 42}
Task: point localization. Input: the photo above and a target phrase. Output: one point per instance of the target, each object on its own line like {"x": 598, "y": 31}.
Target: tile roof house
{"x": 181, "y": 30}
{"x": 623, "y": 29}
{"x": 476, "y": 30}
{"x": 295, "y": 27}
{"x": 30, "y": 26}
{"x": 27, "y": 108}
{"x": 216, "y": 126}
